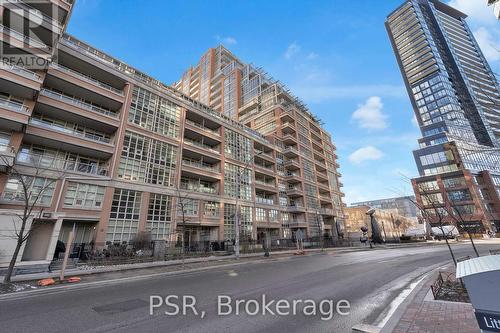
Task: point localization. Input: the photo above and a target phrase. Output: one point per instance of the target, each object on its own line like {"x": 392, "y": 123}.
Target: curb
{"x": 401, "y": 309}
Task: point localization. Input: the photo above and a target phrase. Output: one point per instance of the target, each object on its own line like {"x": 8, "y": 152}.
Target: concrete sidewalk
{"x": 424, "y": 314}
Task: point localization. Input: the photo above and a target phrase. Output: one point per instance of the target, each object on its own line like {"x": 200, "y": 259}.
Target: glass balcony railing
{"x": 27, "y": 40}
{"x": 88, "y": 79}
{"x": 52, "y": 162}
{"x": 21, "y": 71}
{"x": 13, "y": 106}
{"x": 77, "y": 102}
{"x": 200, "y": 165}
{"x": 85, "y": 135}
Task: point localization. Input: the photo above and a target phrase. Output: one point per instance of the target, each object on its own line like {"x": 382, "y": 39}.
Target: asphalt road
{"x": 369, "y": 280}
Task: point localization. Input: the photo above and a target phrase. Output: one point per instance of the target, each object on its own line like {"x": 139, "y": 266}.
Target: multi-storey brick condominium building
{"x": 117, "y": 148}
{"x": 456, "y": 100}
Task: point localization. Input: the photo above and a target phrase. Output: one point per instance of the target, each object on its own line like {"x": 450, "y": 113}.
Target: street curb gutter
{"x": 401, "y": 309}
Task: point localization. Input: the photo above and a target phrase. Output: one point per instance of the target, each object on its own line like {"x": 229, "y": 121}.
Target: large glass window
{"x": 159, "y": 216}
{"x": 40, "y": 190}
{"x": 234, "y": 175}
{"x": 237, "y": 146}
{"x": 212, "y": 209}
{"x": 147, "y": 160}
{"x": 84, "y": 195}
{"x": 245, "y": 221}
{"x": 154, "y": 113}
{"x": 124, "y": 216}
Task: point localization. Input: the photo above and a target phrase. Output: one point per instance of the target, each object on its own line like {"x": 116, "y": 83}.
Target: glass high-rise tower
{"x": 456, "y": 100}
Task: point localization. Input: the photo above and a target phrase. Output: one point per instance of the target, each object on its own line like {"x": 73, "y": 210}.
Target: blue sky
{"x": 333, "y": 54}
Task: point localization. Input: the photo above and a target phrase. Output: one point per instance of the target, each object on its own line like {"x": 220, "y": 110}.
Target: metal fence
{"x": 128, "y": 253}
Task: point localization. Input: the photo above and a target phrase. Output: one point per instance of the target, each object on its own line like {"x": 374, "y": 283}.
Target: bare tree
{"x": 433, "y": 213}
{"x": 31, "y": 210}
{"x": 182, "y": 201}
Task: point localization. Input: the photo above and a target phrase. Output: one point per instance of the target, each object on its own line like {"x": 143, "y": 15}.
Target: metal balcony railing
{"x": 77, "y": 102}
{"x": 13, "y": 106}
{"x": 35, "y": 12}
{"x": 202, "y": 127}
{"x": 200, "y": 165}
{"x": 27, "y": 40}
{"x": 201, "y": 145}
{"x": 88, "y": 79}
{"x": 21, "y": 71}
{"x": 84, "y": 135}
{"x": 265, "y": 201}
{"x": 198, "y": 188}
{"x": 40, "y": 160}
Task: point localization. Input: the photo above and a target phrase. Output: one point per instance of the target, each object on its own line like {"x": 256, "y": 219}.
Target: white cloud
{"x": 226, "y": 40}
{"x": 312, "y": 56}
{"x": 487, "y": 43}
{"x": 477, "y": 10}
{"x": 369, "y": 115}
{"x": 367, "y": 153}
{"x": 292, "y": 50}
{"x": 484, "y": 25}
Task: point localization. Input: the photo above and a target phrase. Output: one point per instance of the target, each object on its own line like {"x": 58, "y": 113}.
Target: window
{"x": 147, "y": 160}
{"x": 236, "y": 177}
{"x": 237, "y": 146}
{"x": 159, "y": 216}
{"x": 154, "y": 113}
{"x": 432, "y": 199}
{"x": 124, "y": 216}
{"x": 454, "y": 182}
{"x": 84, "y": 195}
{"x": 189, "y": 206}
{"x": 461, "y": 195}
{"x": 212, "y": 209}
{"x": 245, "y": 221}
{"x": 273, "y": 215}
{"x": 40, "y": 190}
{"x": 260, "y": 214}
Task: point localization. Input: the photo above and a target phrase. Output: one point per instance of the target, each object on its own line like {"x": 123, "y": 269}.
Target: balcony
{"x": 13, "y": 114}
{"x": 298, "y": 224}
{"x": 293, "y": 177}
{"x": 291, "y": 152}
{"x": 292, "y": 164}
{"x": 289, "y": 139}
{"x": 294, "y": 191}
{"x": 19, "y": 81}
{"x": 205, "y": 129}
{"x": 201, "y": 165}
{"x": 325, "y": 198}
{"x": 198, "y": 188}
{"x": 288, "y": 128}
{"x": 264, "y": 200}
{"x": 267, "y": 169}
{"x": 203, "y": 147}
{"x": 88, "y": 86}
{"x": 7, "y": 156}
{"x": 265, "y": 155}
{"x": 327, "y": 211}
{"x": 39, "y": 19}
{"x": 52, "y": 102}
{"x": 271, "y": 186}
{"x": 50, "y": 162}
{"x": 31, "y": 45}
{"x": 90, "y": 143}
{"x": 296, "y": 208}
